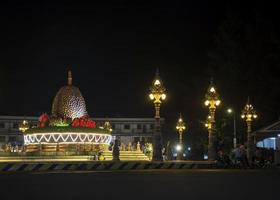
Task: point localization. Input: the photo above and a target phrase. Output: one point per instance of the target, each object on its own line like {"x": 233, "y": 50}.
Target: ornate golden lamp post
{"x": 180, "y": 127}
{"x": 24, "y": 126}
{"x": 212, "y": 101}
{"x": 208, "y": 122}
{"x": 157, "y": 95}
{"x": 108, "y": 126}
{"x": 249, "y": 114}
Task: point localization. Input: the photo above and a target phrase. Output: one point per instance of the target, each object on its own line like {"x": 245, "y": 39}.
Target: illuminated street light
{"x": 180, "y": 126}
{"x": 249, "y": 114}
{"x": 157, "y": 95}
{"x": 231, "y": 112}
{"x": 24, "y": 126}
{"x": 179, "y": 149}
{"x": 208, "y": 122}
{"x": 212, "y": 101}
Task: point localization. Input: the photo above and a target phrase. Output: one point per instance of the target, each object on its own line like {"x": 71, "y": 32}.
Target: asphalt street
{"x": 186, "y": 184}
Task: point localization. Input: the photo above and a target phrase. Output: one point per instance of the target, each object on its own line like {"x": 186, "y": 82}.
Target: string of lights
{"x": 67, "y": 138}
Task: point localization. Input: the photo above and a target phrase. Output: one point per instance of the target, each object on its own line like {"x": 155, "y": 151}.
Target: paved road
{"x": 189, "y": 184}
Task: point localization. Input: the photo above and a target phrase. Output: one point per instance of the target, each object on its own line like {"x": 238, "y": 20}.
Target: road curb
{"x": 102, "y": 166}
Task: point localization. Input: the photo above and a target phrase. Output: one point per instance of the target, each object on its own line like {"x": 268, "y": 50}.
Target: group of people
{"x": 238, "y": 158}
{"x": 263, "y": 157}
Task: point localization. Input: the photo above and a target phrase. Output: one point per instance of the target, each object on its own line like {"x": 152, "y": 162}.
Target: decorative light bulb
{"x": 178, "y": 147}
{"x": 157, "y": 82}
{"x": 217, "y": 102}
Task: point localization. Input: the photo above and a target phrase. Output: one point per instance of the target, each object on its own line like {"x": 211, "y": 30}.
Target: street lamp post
{"x": 180, "y": 126}
{"x": 23, "y": 127}
{"x": 157, "y": 95}
{"x": 249, "y": 114}
{"x": 230, "y": 111}
{"x": 107, "y": 126}
{"x": 212, "y": 101}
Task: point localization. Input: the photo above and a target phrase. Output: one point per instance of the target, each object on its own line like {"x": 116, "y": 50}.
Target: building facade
{"x": 129, "y": 131}
{"x": 268, "y": 137}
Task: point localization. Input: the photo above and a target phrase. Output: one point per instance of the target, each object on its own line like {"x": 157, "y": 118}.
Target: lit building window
{"x": 268, "y": 143}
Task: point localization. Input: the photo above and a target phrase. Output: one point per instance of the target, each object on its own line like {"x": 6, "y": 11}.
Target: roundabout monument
{"x": 68, "y": 128}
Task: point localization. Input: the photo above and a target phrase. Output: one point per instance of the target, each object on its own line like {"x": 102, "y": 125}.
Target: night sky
{"x": 114, "y": 50}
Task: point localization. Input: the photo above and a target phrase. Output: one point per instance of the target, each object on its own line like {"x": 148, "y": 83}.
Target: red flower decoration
{"x": 43, "y": 120}
{"x": 83, "y": 122}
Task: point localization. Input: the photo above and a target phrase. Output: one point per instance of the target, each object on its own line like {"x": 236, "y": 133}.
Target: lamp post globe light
{"x": 232, "y": 112}
{"x": 24, "y": 126}
{"x": 249, "y": 114}
{"x": 157, "y": 95}
{"x": 208, "y": 122}
{"x": 212, "y": 101}
{"x": 180, "y": 126}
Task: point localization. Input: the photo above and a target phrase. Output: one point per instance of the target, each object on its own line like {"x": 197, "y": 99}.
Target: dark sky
{"x": 113, "y": 50}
